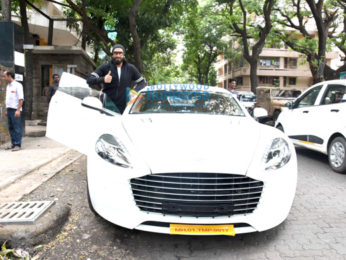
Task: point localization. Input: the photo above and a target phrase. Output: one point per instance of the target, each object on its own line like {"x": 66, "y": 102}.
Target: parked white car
{"x": 248, "y": 99}
{"x": 316, "y": 120}
{"x": 182, "y": 159}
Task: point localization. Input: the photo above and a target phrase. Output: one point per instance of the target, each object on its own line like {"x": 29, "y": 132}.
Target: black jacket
{"x": 116, "y": 90}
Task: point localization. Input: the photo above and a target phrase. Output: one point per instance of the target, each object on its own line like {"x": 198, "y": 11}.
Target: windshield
{"x": 184, "y": 101}
{"x": 247, "y": 98}
{"x": 286, "y": 93}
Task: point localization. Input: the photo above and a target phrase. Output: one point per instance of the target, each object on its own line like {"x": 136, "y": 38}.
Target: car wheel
{"x": 280, "y": 128}
{"x": 337, "y": 154}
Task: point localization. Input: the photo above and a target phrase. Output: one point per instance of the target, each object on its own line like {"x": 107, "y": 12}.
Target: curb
{"x": 44, "y": 229}
{"x": 33, "y": 180}
{"x": 36, "y": 133}
{"x": 6, "y": 184}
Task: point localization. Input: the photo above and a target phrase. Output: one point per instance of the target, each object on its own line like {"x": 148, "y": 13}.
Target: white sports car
{"x": 182, "y": 159}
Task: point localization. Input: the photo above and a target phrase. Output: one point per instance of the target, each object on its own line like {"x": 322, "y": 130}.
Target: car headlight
{"x": 277, "y": 155}
{"x": 108, "y": 148}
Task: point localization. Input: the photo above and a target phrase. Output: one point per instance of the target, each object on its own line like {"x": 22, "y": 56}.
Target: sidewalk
{"x": 23, "y": 171}
{"x": 36, "y": 152}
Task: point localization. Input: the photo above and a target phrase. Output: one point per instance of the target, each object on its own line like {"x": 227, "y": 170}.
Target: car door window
{"x": 333, "y": 94}
{"x": 309, "y": 98}
{"x": 107, "y": 103}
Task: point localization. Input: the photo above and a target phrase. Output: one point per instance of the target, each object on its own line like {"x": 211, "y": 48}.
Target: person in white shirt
{"x": 232, "y": 84}
{"x": 14, "y": 102}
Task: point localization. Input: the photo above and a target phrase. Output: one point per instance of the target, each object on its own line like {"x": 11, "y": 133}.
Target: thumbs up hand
{"x": 108, "y": 77}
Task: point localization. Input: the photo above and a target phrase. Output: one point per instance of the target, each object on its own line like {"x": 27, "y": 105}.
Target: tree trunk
{"x": 29, "y": 66}
{"x": 6, "y": 10}
{"x": 252, "y": 57}
{"x": 316, "y": 77}
{"x": 135, "y": 36}
{"x": 83, "y": 29}
{"x": 253, "y": 75}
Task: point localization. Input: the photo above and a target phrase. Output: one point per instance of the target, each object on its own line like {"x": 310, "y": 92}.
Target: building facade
{"x": 56, "y": 49}
{"x": 277, "y": 67}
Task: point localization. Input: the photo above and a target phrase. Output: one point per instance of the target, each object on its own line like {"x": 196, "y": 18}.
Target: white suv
{"x": 317, "y": 120}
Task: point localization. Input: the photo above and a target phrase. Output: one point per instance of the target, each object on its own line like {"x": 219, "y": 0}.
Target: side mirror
{"x": 289, "y": 105}
{"x": 92, "y": 102}
{"x": 260, "y": 112}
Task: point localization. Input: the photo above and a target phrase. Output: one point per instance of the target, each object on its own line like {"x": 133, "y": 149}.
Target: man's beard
{"x": 117, "y": 61}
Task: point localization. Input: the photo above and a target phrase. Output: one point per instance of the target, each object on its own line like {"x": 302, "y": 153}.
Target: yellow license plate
{"x": 227, "y": 230}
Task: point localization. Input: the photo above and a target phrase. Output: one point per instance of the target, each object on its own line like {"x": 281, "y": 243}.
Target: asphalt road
{"x": 314, "y": 229}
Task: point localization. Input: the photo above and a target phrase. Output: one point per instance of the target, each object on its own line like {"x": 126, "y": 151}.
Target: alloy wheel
{"x": 337, "y": 154}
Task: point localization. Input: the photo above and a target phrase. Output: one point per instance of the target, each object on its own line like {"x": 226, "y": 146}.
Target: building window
{"x": 225, "y": 69}
{"x": 292, "y": 81}
{"x": 46, "y": 78}
{"x": 59, "y": 69}
{"x": 47, "y": 72}
{"x": 274, "y": 81}
{"x": 269, "y": 62}
{"x": 71, "y": 68}
{"x": 225, "y": 84}
{"x": 239, "y": 81}
{"x": 291, "y": 63}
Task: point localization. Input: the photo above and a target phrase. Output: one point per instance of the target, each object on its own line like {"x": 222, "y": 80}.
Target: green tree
{"x": 161, "y": 61}
{"x": 136, "y": 23}
{"x": 339, "y": 40}
{"x": 297, "y": 15}
{"x": 251, "y": 22}
{"x": 203, "y": 29}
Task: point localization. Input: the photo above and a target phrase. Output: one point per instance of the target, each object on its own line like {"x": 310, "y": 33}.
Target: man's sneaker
{"x": 16, "y": 148}
{"x": 9, "y": 147}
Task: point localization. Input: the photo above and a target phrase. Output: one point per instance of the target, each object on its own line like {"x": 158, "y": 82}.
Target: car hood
{"x": 194, "y": 143}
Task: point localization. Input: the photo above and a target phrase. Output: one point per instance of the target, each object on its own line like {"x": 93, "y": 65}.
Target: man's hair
{"x": 10, "y": 73}
{"x": 231, "y": 80}
{"x": 55, "y": 75}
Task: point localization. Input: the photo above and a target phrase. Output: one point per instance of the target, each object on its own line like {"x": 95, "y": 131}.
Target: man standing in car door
{"x": 116, "y": 76}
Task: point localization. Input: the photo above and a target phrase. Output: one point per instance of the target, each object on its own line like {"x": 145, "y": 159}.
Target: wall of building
{"x": 83, "y": 68}
{"x": 301, "y": 72}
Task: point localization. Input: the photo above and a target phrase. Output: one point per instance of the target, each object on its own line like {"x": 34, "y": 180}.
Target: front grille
{"x": 197, "y": 194}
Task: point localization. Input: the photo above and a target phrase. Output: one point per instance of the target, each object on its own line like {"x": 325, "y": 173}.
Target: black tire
{"x": 337, "y": 154}
{"x": 280, "y": 128}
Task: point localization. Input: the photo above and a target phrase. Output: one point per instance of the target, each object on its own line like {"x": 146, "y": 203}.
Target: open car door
{"x": 76, "y": 116}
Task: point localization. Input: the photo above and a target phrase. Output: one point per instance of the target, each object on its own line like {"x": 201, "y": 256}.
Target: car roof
{"x": 334, "y": 81}
{"x": 243, "y": 92}
{"x": 186, "y": 87}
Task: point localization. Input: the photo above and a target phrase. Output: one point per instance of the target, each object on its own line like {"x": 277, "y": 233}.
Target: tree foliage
{"x": 251, "y": 22}
{"x": 151, "y": 18}
{"x": 203, "y": 29}
{"x": 310, "y": 39}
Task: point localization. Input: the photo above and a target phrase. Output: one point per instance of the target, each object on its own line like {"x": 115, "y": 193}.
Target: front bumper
{"x": 112, "y": 198}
